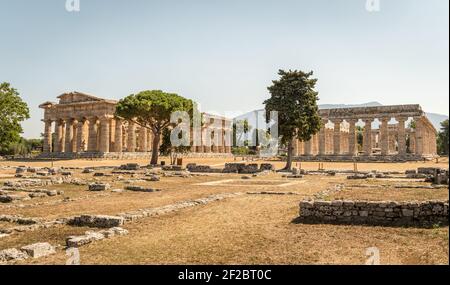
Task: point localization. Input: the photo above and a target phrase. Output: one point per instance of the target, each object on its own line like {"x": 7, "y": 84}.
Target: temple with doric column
{"x": 82, "y": 125}
{"x": 391, "y": 140}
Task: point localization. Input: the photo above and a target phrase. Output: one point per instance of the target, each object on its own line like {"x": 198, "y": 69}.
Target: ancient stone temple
{"x": 391, "y": 140}
{"x": 82, "y": 125}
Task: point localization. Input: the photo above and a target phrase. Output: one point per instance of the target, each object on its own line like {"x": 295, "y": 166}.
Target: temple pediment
{"x": 47, "y": 104}
{"x": 77, "y": 97}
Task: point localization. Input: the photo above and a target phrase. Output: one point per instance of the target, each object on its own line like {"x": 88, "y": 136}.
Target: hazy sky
{"x": 225, "y": 53}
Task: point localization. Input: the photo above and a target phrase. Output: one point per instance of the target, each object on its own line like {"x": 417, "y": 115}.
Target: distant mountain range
{"x": 434, "y": 118}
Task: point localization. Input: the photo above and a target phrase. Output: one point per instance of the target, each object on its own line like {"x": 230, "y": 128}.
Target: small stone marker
{"x": 39, "y": 249}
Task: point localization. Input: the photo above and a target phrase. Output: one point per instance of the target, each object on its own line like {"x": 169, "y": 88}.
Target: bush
{"x": 24, "y": 147}
{"x": 240, "y": 150}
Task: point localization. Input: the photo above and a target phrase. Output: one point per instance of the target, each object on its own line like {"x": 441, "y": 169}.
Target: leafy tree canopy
{"x": 13, "y": 111}
{"x": 295, "y": 99}
{"x": 152, "y": 109}
{"x": 443, "y": 138}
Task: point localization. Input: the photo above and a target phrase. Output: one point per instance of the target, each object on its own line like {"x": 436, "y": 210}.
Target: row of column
{"x": 344, "y": 143}
{"x": 213, "y": 140}
{"x": 103, "y": 134}
{"x": 108, "y": 134}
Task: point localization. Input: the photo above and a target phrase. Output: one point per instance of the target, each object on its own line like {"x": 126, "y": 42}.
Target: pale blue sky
{"x": 225, "y": 53}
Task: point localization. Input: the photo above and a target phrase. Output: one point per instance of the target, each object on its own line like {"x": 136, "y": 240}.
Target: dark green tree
{"x": 443, "y": 139}
{"x": 295, "y": 99}
{"x": 237, "y": 137}
{"x": 359, "y": 136}
{"x": 13, "y": 111}
{"x": 152, "y": 109}
{"x": 166, "y": 148}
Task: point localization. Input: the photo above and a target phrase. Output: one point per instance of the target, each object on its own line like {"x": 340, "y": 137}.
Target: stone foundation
{"x": 362, "y": 158}
{"x": 99, "y": 221}
{"x": 425, "y": 213}
{"x": 121, "y": 155}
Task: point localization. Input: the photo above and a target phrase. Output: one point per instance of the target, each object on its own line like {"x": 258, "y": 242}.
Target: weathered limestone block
{"x": 233, "y": 167}
{"x": 12, "y": 254}
{"x": 99, "y": 221}
{"x": 53, "y": 170}
{"x": 114, "y": 231}
{"x": 267, "y": 167}
{"x": 428, "y": 170}
{"x": 77, "y": 241}
{"x": 99, "y": 186}
{"x": 37, "y": 195}
{"x": 152, "y": 177}
{"x": 8, "y": 198}
{"x": 90, "y": 236}
{"x": 52, "y": 193}
{"x": 130, "y": 166}
{"x": 39, "y": 249}
{"x": 141, "y": 189}
{"x": 21, "y": 170}
{"x": 250, "y": 168}
{"x": 172, "y": 168}
{"x": 192, "y": 167}
{"x": 358, "y": 176}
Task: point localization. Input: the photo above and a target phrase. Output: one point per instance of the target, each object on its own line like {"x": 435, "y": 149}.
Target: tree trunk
{"x": 155, "y": 149}
{"x": 289, "y": 157}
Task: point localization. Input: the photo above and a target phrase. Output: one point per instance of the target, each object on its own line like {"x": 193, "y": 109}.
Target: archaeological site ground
{"x": 124, "y": 212}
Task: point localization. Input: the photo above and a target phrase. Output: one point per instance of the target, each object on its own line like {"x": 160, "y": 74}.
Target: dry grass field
{"x": 245, "y": 229}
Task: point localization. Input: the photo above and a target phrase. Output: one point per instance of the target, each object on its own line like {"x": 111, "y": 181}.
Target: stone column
{"x": 337, "y": 137}
{"x": 425, "y": 142}
{"x": 222, "y": 140}
{"x": 401, "y": 136}
{"x": 118, "y": 143}
{"x": 59, "y": 129}
{"x": 315, "y": 144}
{"x": 384, "y": 133}
{"x": 308, "y": 147}
{"x": 217, "y": 140}
{"x": 428, "y": 142}
{"x": 131, "y": 145}
{"x": 419, "y": 137}
{"x": 207, "y": 143}
{"x": 80, "y": 137}
{"x": 69, "y": 136}
{"x": 322, "y": 138}
{"x": 412, "y": 142}
{"x": 352, "y": 138}
{"x": 344, "y": 141}
{"x": 92, "y": 135}
{"x": 47, "y": 148}
{"x": 124, "y": 138}
{"x": 73, "y": 145}
{"x": 104, "y": 134}
{"x": 143, "y": 139}
{"x": 433, "y": 144}
{"x": 367, "y": 143}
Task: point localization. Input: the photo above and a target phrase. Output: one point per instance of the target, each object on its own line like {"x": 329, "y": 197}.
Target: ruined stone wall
{"x": 376, "y": 213}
